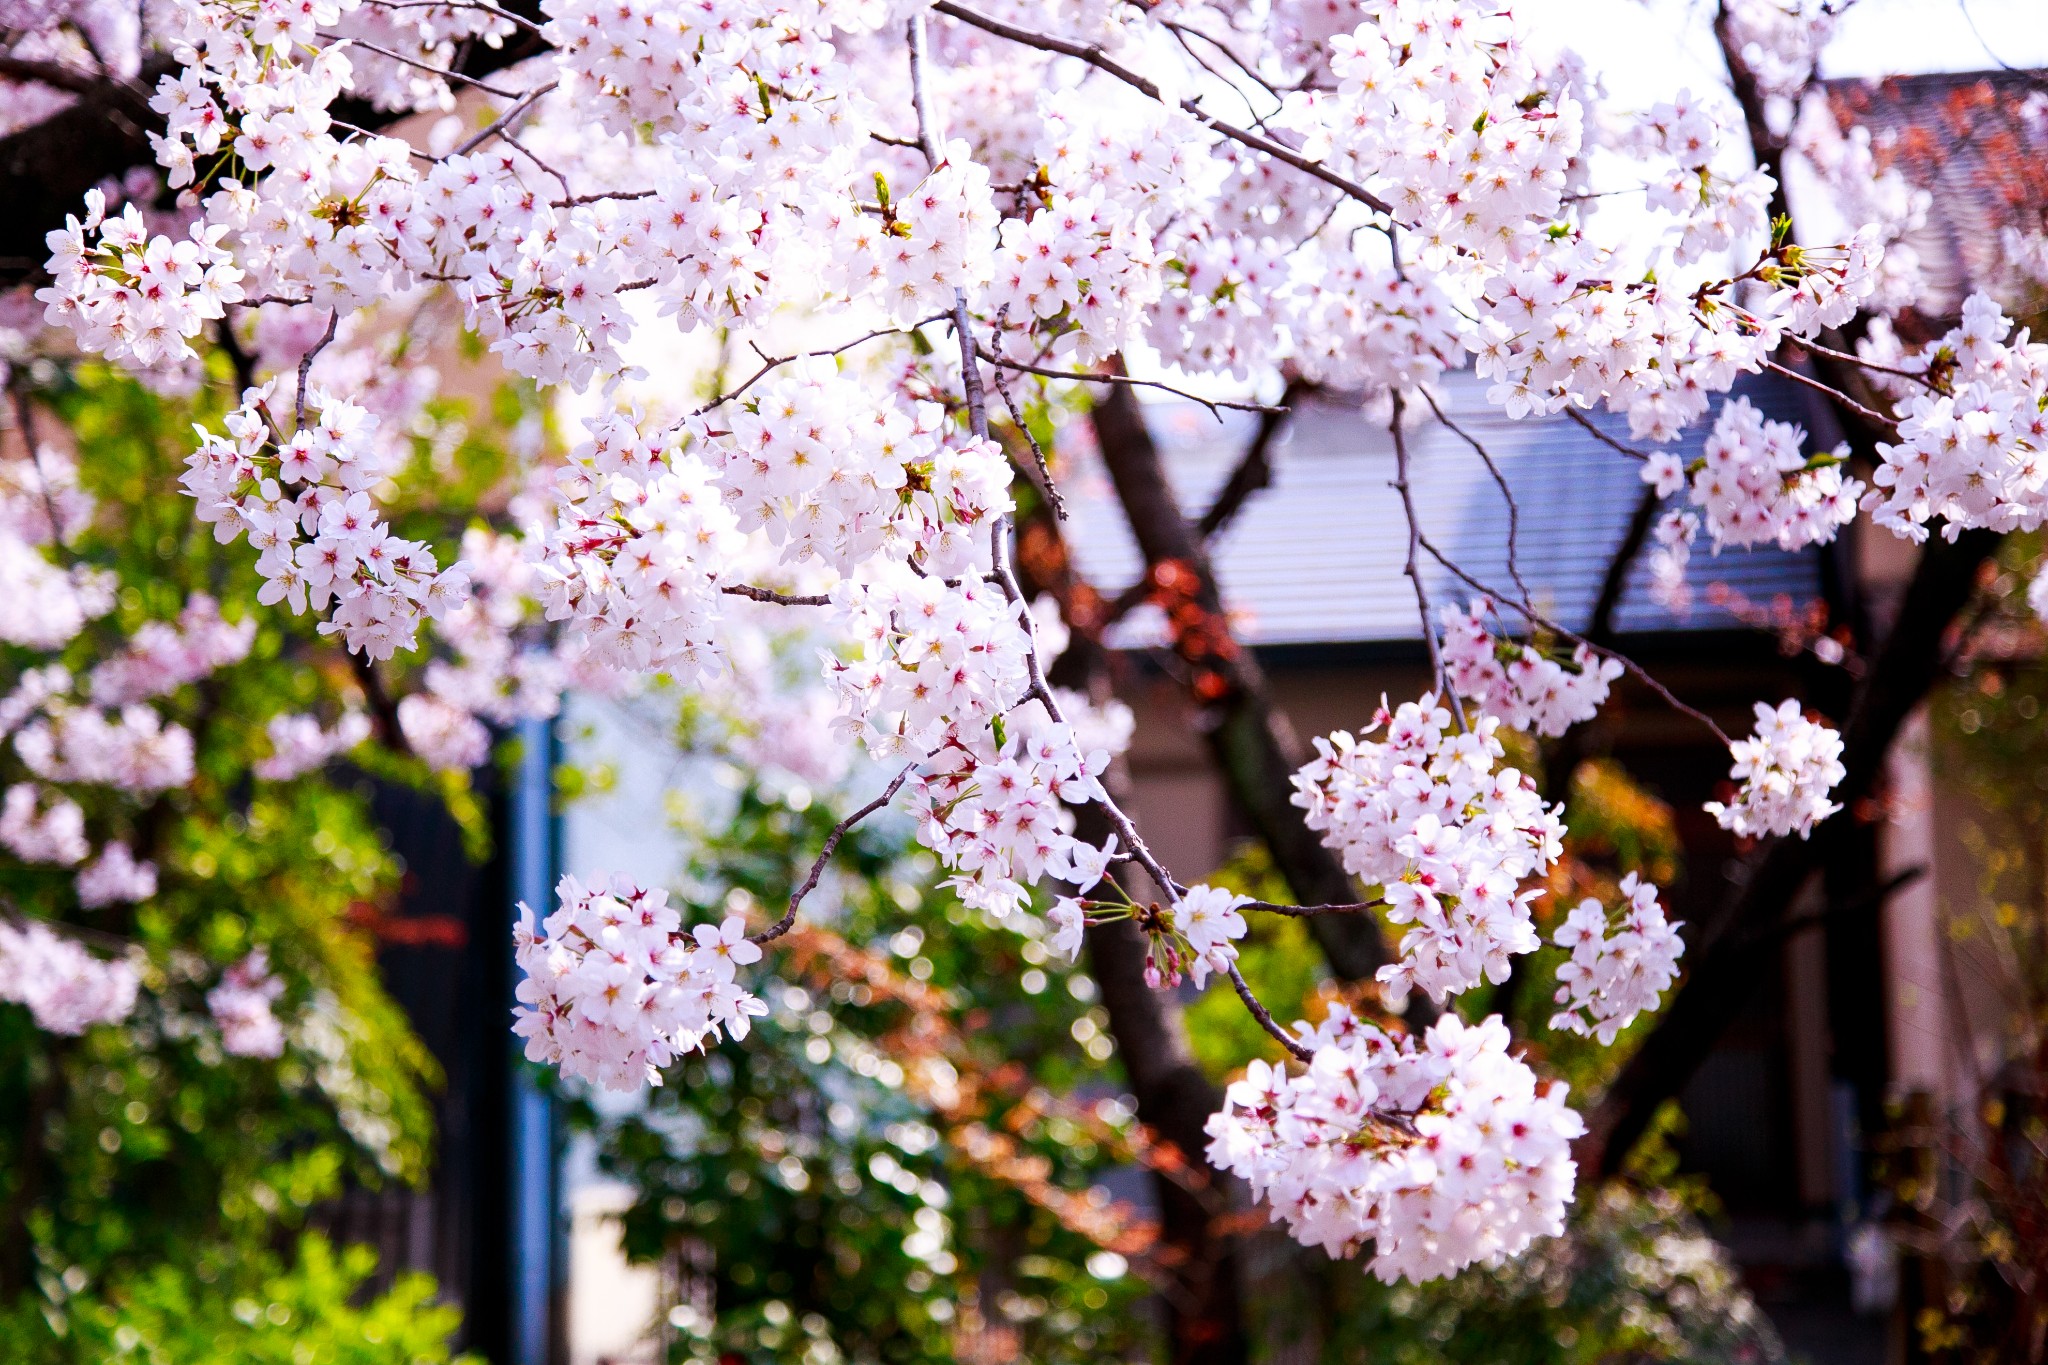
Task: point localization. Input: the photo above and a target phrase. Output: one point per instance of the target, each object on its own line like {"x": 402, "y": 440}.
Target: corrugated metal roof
{"x": 1317, "y": 558}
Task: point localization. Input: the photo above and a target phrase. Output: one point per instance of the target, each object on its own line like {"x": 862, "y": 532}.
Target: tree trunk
{"x": 1722, "y": 972}
{"x": 1254, "y": 747}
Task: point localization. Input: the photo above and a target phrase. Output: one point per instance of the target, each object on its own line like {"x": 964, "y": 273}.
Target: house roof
{"x": 1317, "y": 558}
{"x": 1978, "y": 143}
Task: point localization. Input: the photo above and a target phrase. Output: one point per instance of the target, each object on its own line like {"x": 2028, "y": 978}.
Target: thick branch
{"x": 1251, "y": 741}
{"x": 1254, "y": 470}
{"x": 1723, "y": 973}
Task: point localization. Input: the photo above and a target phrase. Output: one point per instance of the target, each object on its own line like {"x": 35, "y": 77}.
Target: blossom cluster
{"x": 1786, "y": 769}
{"x": 614, "y": 990}
{"x": 242, "y": 1006}
{"x": 305, "y": 502}
{"x": 1526, "y": 688}
{"x": 66, "y": 988}
{"x": 1754, "y": 485}
{"x": 1442, "y": 1154}
{"x": 993, "y": 808}
{"x": 1447, "y": 833}
{"x": 115, "y": 877}
{"x": 136, "y": 297}
{"x": 1973, "y": 440}
{"x": 1621, "y": 962}
{"x": 161, "y": 657}
{"x": 299, "y": 743}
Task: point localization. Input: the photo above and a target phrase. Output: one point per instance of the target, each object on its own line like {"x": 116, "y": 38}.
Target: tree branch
{"x": 1723, "y": 972}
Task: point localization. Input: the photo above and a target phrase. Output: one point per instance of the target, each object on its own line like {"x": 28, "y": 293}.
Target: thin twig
{"x": 516, "y": 145}
{"x": 1415, "y": 543}
{"x": 777, "y": 362}
{"x": 1102, "y": 62}
{"x": 24, "y": 419}
{"x": 1602, "y": 437}
{"x": 1265, "y": 1016}
{"x": 1804, "y": 344}
{"x": 1867, "y": 414}
{"x": 1500, "y": 481}
{"x": 484, "y": 86}
{"x": 839, "y": 831}
{"x": 1048, "y": 486}
{"x": 1088, "y": 377}
{"x": 520, "y": 20}
{"x": 780, "y": 599}
{"x": 999, "y": 530}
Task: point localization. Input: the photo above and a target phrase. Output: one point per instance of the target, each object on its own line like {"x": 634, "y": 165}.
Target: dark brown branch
{"x": 1833, "y": 394}
{"x": 1254, "y": 470}
{"x": 780, "y": 599}
{"x": 53, "y": 74}
{"x": 1722, "y": 975}
{"x": 1600, "y": 625}
{"x": 1265, "y": 1016}
{"x": 1602, "y": 437}
{"x": 1309, "y": 911}
{"x": 1101, "y": 61}
{"x": 1250, "y": 740}
{"x": 824, "y": 858}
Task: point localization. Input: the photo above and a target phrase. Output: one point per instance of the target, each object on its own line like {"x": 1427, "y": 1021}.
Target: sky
{"x": 1645, "y": 48}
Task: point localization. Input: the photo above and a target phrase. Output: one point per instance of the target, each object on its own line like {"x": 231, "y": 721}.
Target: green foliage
{"x": 825, "y": 1190}
{"x": 255, "y": 1310}
{"x": 147, "y": 1172}
{"x": 1634, "y": 1280}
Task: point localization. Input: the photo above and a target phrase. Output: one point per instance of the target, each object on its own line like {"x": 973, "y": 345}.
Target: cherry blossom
{"x": 1442, "y": 1153}
{"x": 1526, "y": 688}
{"x": 242, "y": 1005}
{"x": 613, "y": 992}
{"x": 116, "y": 877}
{"x": 1786, "y": 770}
{"x": 1446, "y": 833}
{"x": 299, "y": 744}
{"x": 1620, "y": 963}
{"x": 1754, "y": 485}
{"x": 66, "y": 988}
